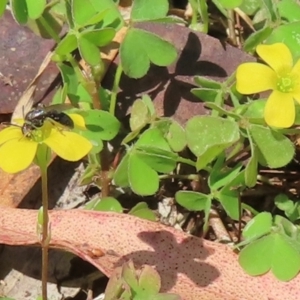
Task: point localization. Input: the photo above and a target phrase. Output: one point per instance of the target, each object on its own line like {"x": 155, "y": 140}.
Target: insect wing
{"x": 58, "y": 107}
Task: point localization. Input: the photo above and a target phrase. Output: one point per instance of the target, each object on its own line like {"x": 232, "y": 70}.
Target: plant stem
{"x": 49, "y": 29}
{"x": 52, "y": 3}
{"x": 200, "y": 7}
{"x": 114, "y": 91}
{"x": 203, "y": 10}
{"x": 105, "y": 165}
{"x": 248, "y": 207}
{"x": 45, "y": 234}
{"x": 75, "y": 65}
{"x": 179, "y": 176}
{"x": 231, "y": 27}
{"x": 186, "y": 161}
{"x": 195, "y": 11}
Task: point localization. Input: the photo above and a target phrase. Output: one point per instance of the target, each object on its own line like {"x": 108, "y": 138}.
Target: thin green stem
{"x": 186, "y": 161}
{"x": 265, "y": 179}
{"x": 193, "y": 4}
{"x": 75, "y": 65}
{"x": 45, "y": 233}
{"x": 115, "y": 88}
{"x": 203, "y": 10}
{"x": 51, "y": 3}
{"x": 219, "y": 100}
{"x": 49, "y": 29}
{"x": 231, "y": 26}
{"x": 93, "y": 159}
{"x": 248, "y": 207}
{"x": 105, "y": 165}
{"x": 200, "y": 7}
{"x": 179, "y": 176}
{"x": 231, "y": 79}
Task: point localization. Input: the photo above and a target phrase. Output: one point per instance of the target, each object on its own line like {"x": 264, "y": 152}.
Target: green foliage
{"x": 143, "y": 10}
{"x": 141, "y": 210}
{"x": 155, "y": 148}
{"x": 289, "y": 10}
{"x": 195, "y": 202}
{"x": 104, "y": 204}
{"x": 208, "y": 136}
{"x": 140, "y": 48}
{"x": 224, "y": 186}
{"x": 287, "y": 33}
{"x": 128, "y": 283}
{"x": 100, "y": 126}
{"x": 272, "y": 245}
{"x": 139, "y": 168}
{"x": 229, "y": 4}
{"x": 23, "y": 10}
{"x": 252, "y": 165}
{"x": 274, "y": 23}
{"x": 250, "y": 7}
{"x": 208, "y": 90}
{"x": 2, "y": 6}
{"x": 290, "y": 208}
{"x": 265, "y": 139}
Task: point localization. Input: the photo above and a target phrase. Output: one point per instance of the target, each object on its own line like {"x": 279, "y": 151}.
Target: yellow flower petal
{"x": 278, "y": 56}
{"x": 68, "y": 145}
{"x": 254, "y": 78}
{"x": 19, "y": 122}
{"x": 79, "y": 122}
{"x": 17, "y": 155}
{"x": 10, "y": 133}
{"x": 280, "y": 110}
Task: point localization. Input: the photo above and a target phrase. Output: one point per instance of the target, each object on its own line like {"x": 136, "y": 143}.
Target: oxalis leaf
{"x": 230, "y": 4}
{"x": 158, "y": 159}
{"x": 143, "y": 10}
{"x": 90, "y": 11}
{"x": 139, "y": 116}
{"x": 82, "y": 11}
{"x": 274, "y": 149}
{"x": 19, "y": 11}
{"x": 22, "y": 10}
{"x": 140, "y": 47}
{"x": 153, "y": 137}
{"x": 208, "y": 136}
{"x": 195, "y": 201}
{"x": 35, "y": 8}
{"x": 99, "y": 37}
{"x": 88, "y": 51}
{"x": 276, "y": 252}
{"x": 290, "y": 10}
{"x": 287, "y": 34}
{"x": 2, "y": 6}
{"x": 229, "y": 196}
{"x": 143, "y": 179}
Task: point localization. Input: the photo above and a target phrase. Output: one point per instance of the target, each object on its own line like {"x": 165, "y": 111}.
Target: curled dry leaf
{"x": 189, "y": 266}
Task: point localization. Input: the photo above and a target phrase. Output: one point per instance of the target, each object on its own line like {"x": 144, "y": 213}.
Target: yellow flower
{"x": 281, "y": 76}
{"x": 17, "y": 152}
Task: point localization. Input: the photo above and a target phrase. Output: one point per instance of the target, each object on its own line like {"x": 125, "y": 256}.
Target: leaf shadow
{"x": 172, "y": 258}
{"x": 171, "y": 85}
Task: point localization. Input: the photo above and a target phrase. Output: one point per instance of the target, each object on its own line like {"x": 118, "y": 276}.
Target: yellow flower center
{"x": 39, "y": 134}
{"x": 285, "y": 84}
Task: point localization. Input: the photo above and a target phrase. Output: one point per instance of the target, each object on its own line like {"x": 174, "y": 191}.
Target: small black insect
{"x": 36, "y": 116}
